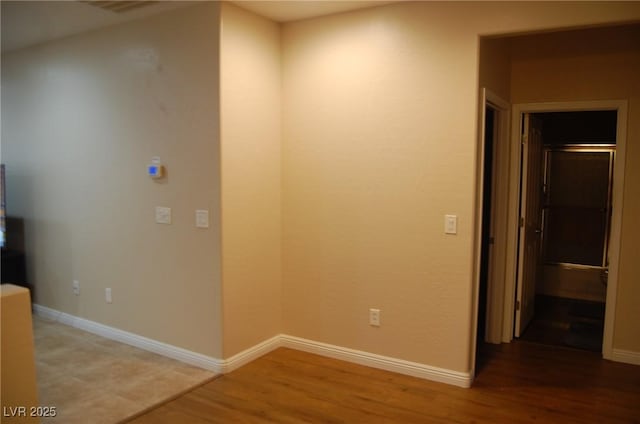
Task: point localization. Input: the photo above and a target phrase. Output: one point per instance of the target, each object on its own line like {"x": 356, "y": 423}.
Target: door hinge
{"x": 517, "y": 305}
{"x": 523, "y": 139}
{"x": 521, "y": 221}
{"x": 491, "y": 240}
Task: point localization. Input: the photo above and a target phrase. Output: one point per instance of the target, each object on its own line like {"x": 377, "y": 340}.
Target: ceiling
{"x": 294, "y": 10}
{"x": 27, "y": 23}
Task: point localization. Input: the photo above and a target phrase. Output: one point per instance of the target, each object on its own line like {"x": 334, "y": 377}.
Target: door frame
{"x": 508, "y": 306}
{"x": 499, "y": 200}
{"x": 499, "y": 203}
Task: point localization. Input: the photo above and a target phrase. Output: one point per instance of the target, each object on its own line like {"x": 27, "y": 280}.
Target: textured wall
{"x": 380, "y": 113}
{"x": 81, "y": 119}
{"x": 251, "y": 178}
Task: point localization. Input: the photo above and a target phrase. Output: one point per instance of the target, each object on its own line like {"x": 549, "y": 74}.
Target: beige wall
{"x": 598, "y": 64}
{"x": 251, "y": 178}
{"x": 380, "y": 112}
{"x": 495, "y": 66}
{"x": 81, "y": 119}
{"x": 371, "y": 136}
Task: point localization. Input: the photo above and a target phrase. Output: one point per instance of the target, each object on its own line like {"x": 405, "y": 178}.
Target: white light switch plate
{"x": 163, "y": 215}
{"x": 202, "y": 218}
{"x": 451, "y": 224}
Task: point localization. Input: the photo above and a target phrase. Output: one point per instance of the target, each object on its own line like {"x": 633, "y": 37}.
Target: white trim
{"x": 615, "y": 232}
{"x": 616, "y": 220}
{"x": 500, "y": 212}
{"x": 477, "y": 241}
{"x": 456, "y": 378}
{"x": 251, "y": 354}
{"x": 626, "y": 356}
{"x": 495, "y": 289}
{"x": 513, "y": 212}
{"x": 224, "y": 366}
{"x": 177, "y": 353}
{"x": 493, "y": 318}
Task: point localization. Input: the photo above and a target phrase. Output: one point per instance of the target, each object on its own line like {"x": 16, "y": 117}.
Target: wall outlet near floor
{"x": 374, "y": 317}
{"x": 76, "y": 287}
{"x": 107, "y": 295}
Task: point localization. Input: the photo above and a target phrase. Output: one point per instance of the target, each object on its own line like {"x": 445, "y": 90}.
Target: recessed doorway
{"x": 572, "y": 227}
{"x": 517, "y": 222}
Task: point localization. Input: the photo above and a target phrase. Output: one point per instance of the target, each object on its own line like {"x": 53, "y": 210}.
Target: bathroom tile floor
{"x": 567, "y": 322}
{"x": 90, "y": 379}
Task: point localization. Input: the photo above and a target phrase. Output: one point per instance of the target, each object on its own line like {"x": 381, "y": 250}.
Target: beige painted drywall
{"x": 81, "y": 119}
{"x": 598, "y": 64}
{"x": 495, "y": 66}
{"x": 250, "y": 80}
{"x": 367, "y": 151}
{"x": 379, "y": 142}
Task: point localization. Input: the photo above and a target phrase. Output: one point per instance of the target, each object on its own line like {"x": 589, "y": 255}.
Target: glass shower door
{"x": 577, "y": 209}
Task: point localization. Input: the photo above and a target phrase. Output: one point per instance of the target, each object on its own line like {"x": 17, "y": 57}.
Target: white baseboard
{"x": 174, "y": 352}
{"x": 626, "y": 356}
{"x": 221, "y": 366}
{"x": 251, "y": 354}
{"x": 224, "y": 366}
{"x": 456, "y": 378}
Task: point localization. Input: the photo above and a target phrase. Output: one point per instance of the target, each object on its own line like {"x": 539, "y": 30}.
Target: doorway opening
{"x": 565, "y": 230}
{"x": 491, "y": 233}
{"x": 503, "y": 282}
{"x": 490, "y": 127}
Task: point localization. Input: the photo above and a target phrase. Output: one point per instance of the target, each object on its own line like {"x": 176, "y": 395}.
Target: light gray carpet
{"x": 90, "y": 379}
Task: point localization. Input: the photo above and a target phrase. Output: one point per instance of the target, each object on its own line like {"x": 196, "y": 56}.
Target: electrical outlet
{"x": 374, "y": 317}
{"x": 107, "y": 295}
{"x": 76, "y": 287}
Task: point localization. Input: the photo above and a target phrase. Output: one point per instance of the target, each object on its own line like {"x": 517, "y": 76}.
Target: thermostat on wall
{"x": 155, "y": 168}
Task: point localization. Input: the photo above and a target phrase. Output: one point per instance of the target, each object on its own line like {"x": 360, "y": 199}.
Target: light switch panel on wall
{"x": 163, "y": 215}
{"x": 451, "y": 224}
{"x": 202, "y": 218}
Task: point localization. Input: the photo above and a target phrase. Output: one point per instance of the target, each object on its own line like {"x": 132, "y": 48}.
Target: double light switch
{"x": 163, "y": 216}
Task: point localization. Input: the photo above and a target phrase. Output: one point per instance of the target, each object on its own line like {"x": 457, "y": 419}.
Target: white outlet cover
{"x": 163, "y": 215}
{"x": 374, "y": 317}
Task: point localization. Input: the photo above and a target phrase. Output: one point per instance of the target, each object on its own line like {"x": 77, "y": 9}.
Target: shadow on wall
{"x": 38, "y": 267}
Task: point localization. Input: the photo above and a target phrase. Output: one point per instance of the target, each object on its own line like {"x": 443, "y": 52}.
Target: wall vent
{"x": 121, "y": 6}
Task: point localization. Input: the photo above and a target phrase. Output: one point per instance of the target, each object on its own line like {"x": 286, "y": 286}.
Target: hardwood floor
{"x": 518, "y": 382}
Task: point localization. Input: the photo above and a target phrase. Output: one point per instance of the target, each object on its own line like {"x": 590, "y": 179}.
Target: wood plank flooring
{"x": 516, "y": 383}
